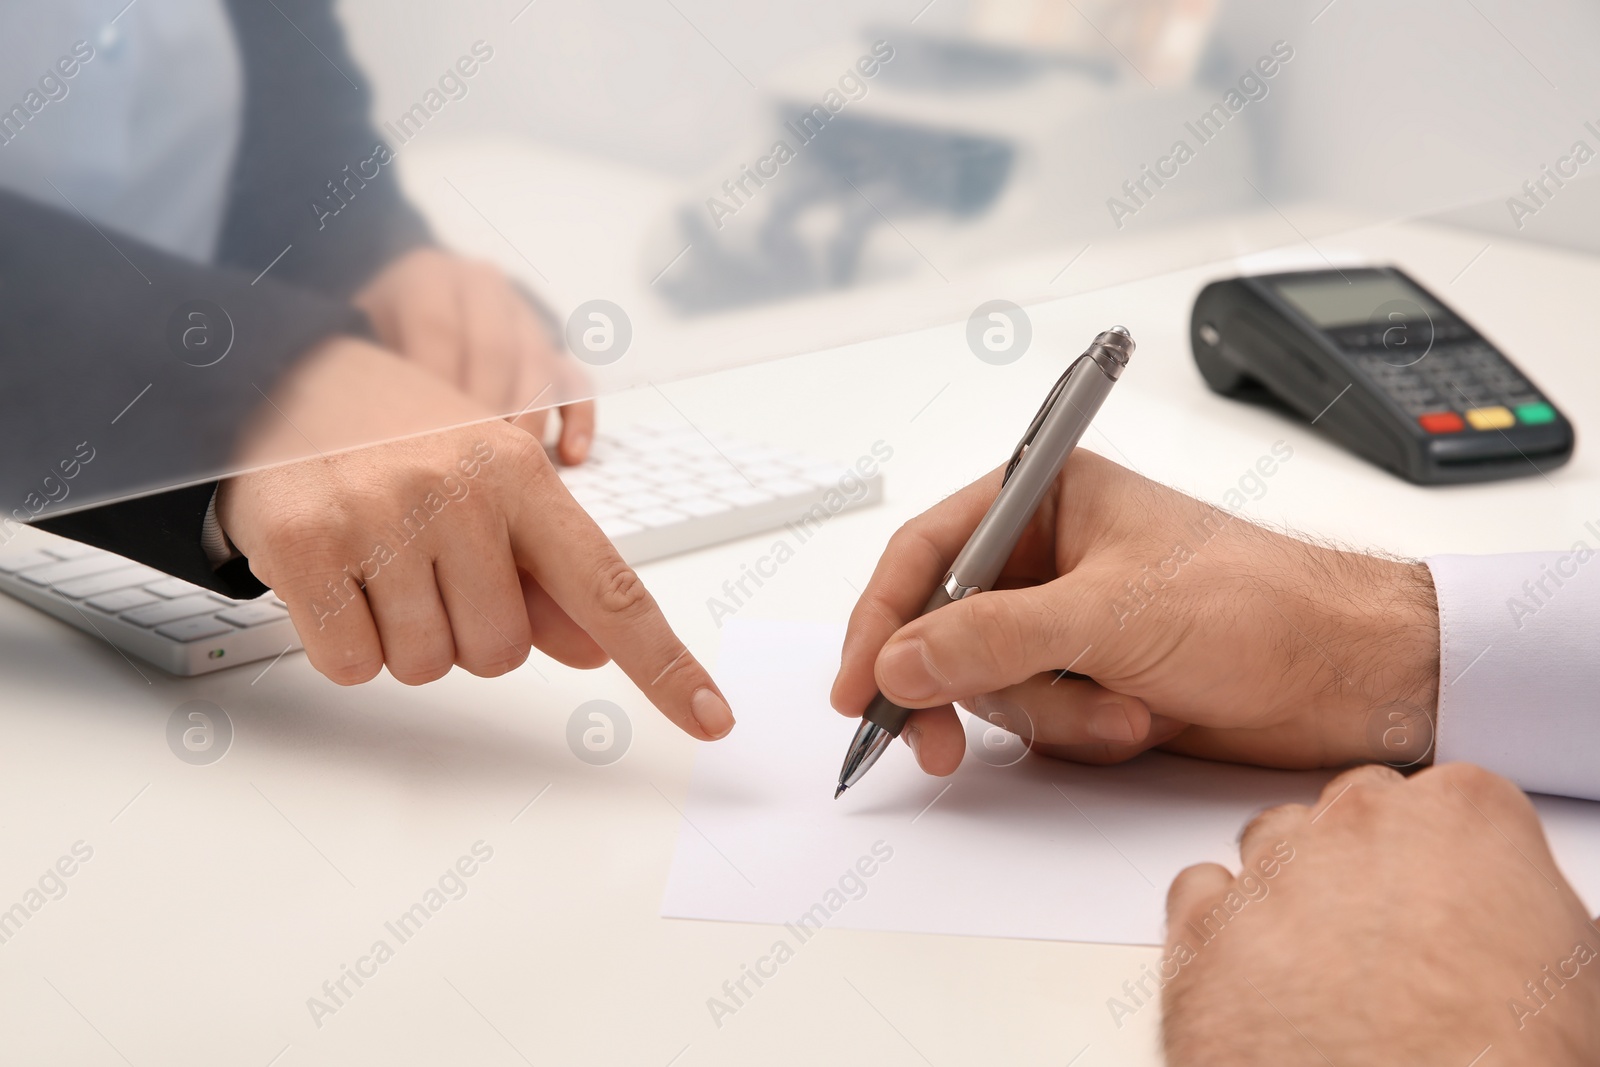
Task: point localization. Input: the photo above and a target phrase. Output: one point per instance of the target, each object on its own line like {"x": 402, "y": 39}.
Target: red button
{"x": 1442, "y": 422}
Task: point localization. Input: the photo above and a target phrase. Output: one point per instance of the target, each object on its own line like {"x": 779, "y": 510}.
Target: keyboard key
{"x": 1536, "y": 414}
{"x": 64, "y": 549}
{"x": 615, "y": 528}
{"x": 641, "y": 501}
{"x": 824, "y": 477}
{"x": 589, "y": 496}
{"x": 655, "y": 518}
{"x": 745, "y": 497}
{"x": 254, "y": 613}
{"x": 624, "y": 486}
{"x": 1442, "y": 422}
{"x": 761, "y": 472}
{"x": 666, "y": 473}
{"x": 606, "y": 509}
{"x": 697, "y": 449}
{"x": 786, "y": 487}
{"x": 73, "y": 568}
{"x": 95, "y": 584}
{"x": 1491, "y": 418}
{"x": 121, "y": 600}
{"x": 685, "y": 490}
{"x": 195, "y": 629}
{"x": 701, "y": 506}
{"x": 12, "y": 562}
{"x": 577, "y": 477}
{"x": 172, "y": 588}
{"x": 170, "y": 610}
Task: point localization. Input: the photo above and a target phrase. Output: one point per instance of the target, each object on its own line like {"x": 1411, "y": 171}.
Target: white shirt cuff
{"x": 1519, "y": 666}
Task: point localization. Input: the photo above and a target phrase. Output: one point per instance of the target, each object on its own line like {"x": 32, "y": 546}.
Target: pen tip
{"x": 837, "y": 793}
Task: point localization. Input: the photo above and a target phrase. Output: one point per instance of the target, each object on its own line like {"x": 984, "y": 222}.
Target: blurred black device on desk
{"x": 1384, "y": 368}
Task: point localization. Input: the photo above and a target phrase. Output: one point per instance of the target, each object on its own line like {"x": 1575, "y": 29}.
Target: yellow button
{"x": 1495, "y": 418}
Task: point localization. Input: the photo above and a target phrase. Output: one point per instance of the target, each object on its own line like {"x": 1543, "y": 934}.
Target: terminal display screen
{"x": 1333, "y": 301}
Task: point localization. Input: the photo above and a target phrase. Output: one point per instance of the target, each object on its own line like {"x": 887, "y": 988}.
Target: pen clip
{"x": 1038, "y": 420}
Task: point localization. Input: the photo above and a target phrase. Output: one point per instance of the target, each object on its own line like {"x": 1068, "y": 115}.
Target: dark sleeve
{"x": 95, "y": 401}
{"x": 308, "y": 175}
{"x": 161, "y": 531}
{"x": 84, "y": 330}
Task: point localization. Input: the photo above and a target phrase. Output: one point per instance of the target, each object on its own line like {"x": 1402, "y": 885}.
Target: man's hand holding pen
{"x": 1253, "y": 647}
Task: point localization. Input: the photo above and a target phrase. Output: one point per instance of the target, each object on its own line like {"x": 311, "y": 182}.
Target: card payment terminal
{"x": 1383, "y": 367}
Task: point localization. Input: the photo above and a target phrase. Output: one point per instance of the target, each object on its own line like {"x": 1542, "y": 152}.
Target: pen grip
{"x": 885, "y": 712}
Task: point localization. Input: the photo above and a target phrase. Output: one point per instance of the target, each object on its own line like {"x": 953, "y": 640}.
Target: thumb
{"x": 984, "y": 643}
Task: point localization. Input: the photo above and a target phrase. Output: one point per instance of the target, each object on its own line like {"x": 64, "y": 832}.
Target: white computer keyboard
{"x": 165, "y": 621}
{"x": 655, "y": 491}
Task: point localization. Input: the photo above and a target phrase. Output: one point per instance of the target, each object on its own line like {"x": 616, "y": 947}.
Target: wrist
{"x": 344, "y": 394}
{"x": 1389, "y": 658}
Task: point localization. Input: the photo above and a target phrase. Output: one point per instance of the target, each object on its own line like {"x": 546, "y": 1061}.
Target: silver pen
{"x": 1037, "y": 460}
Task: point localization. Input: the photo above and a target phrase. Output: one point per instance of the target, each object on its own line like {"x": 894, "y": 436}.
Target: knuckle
{"x": 682, "y": 673}
{"x": 354, "y": 670}
{"x": 302, "y": 553}
{"x": 434, "y": 322}
{"x": 905, "y": 534}
{"x": 525, "y": 457}
{"x": 307, "y": 537}
{"x": 1097, "y": 754}
{"x": 1478, "y": 785}
{"x": 493, "y": 661}
{"x": 1360, "y": 787}
{"x": 421, "y": 670}
{"x": 911, "y": 542}
{"x": 431, "y": 336}
{"x": 999, "y": 631}
{"x": 1358, "y": 797}
{"x": 874, "y": 608}
{"x": 620, "y": 592}
{"x": 1264, "y": 820}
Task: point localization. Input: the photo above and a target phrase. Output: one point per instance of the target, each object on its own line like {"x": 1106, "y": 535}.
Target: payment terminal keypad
{"x": 1457, "y": 388}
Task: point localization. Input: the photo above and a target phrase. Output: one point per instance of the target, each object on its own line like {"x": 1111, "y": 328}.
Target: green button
{"x": 1534, "y": 414}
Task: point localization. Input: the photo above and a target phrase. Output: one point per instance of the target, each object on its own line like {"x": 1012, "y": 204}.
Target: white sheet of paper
{"x": 1007, "y": 847}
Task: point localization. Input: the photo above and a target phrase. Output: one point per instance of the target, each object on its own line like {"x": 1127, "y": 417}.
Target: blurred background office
{"x": 693, "y": 184}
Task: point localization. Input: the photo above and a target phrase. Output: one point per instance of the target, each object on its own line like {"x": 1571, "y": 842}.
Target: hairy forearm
{"x": 1393, "y": 652}
{"x": 1371, "y": 643}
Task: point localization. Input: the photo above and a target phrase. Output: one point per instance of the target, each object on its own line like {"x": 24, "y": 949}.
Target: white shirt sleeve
{"x": 1519, "y": 666}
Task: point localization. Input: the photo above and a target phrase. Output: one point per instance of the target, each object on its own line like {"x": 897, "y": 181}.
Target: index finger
{"x": 556, "y": 541}
{"x": 917, "y": 557}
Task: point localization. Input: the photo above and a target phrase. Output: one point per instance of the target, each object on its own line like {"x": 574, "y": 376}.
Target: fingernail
{"x": 913, "y": 739}
{"x": 1109, "y": 722}
{"x": 712, "y": 713}
{"x": 905, "y": 670}
{"x": 580, "y": 447}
